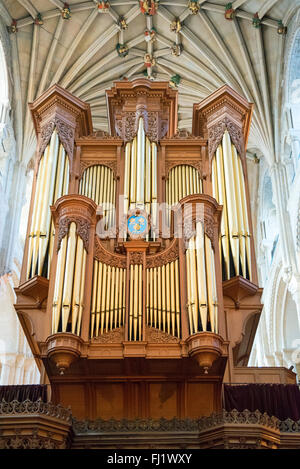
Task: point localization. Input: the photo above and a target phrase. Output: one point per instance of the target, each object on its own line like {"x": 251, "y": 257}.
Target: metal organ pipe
{"x": 201, "y": 283}
{"x": 183, "y": 180}
{"x": 52, "y": 182}
{"x": 108, "y": 298}
{"x": 229, "y": 190}
{"x": 68, "y": 294}
{"x": 98, "y": 183}
{"x": 163, "y": 298}
{"x": 140, "y": 175}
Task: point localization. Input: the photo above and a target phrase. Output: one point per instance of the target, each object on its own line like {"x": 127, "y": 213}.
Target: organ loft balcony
{"x": 138, "y": 292}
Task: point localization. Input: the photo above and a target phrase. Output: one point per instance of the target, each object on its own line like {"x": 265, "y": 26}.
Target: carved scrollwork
{"x": 115, "y": 336}
{"x": 159, "y": 337}
{"x": 216, "y": 133}
{"x": 136, "y": 258}
{"x": 65, "y": 132}
{"x": 87, "y": 164}
{"x": 82, "y": 230}
{"x": 164, "y": 257}
{"x": 35, "y": 407}
{"x": 209, "y": 228}
{"x": 195, "y": 163}
{"x": 127, "y": 125}
{"x": 107, "y": 257}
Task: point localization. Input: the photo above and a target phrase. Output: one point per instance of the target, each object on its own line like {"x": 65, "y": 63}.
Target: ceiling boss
{"x": 149, "y": 7}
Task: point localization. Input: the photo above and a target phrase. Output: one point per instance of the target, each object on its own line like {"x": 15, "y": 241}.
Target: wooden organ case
{"x": 138, "y": 292}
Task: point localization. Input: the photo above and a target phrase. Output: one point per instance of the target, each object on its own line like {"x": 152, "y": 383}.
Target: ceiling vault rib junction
{"x": 209, "y": 51}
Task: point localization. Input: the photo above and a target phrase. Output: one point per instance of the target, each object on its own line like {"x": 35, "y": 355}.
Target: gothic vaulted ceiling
{"x": 85, "y": 49}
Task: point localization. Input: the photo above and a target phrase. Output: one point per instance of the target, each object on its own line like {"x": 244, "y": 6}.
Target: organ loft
{"x": 139, "y": 294}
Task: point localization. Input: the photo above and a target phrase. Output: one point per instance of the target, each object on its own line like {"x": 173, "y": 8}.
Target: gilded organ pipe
{"x": 140, "y": 175}
{"x": 201, "y": 283}
{"x": 229, "y": 190}
{"x": 52, "y": 182}
{"x": 163, "y": 298}
{"x": 68, "y": 296}
{"x": 98, "y": 183}
{"x": 183, "y": 180}
{"x": 108, "y": 298}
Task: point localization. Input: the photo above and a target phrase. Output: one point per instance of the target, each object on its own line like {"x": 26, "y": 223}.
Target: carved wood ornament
{"x": 87, "y": 164}
{"x": 164, "y": 257}
{"x": 82, "y": 230}
{"x": 127, "y": 126}
{"x": 65, "y": 132}
{"x": 107, "y": 257}
{"x": 216, "y": 132}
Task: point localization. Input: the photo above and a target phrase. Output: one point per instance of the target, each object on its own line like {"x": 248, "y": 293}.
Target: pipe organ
{"x": 139, "y": 323}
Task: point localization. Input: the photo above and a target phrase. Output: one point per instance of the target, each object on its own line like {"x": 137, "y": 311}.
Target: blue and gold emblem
{"x": 137, "y": 225}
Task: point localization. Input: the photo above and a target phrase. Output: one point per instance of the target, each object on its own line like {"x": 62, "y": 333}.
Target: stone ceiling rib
{"x": 70, "y": 51}
{"x": 252, "y": 78}
{"x": 238, "y": 3}
{"x": 264, "y": 86}
{"x": 207, "y": 61}
{"x": 266, "y": 7}
{"x": 29, "y": 7}
{"x": 57, "y": 3}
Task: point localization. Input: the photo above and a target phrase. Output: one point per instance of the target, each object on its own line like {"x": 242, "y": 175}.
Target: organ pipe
{"x": 201, "y": 283}
{"x": 52, "y": 182}
{"x": 108, "y": 298}
{"x": 163, "y": 298}
{"x": 183, "y": 180}
{"x": 140, "y": 175}
{"x": 229, "y": 190}
{"x": 98, "y": 183}
{"x": 69, "y": 284}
